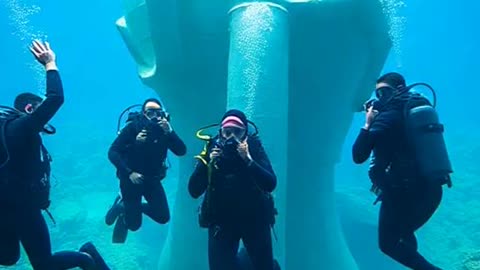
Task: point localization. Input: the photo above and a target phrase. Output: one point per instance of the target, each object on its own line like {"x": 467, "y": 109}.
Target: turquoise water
{"x": 433, "y": 41}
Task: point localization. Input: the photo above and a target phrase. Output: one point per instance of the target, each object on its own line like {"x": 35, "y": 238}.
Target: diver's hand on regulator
{"x": 142, "y": 136}
{"x": 243, "y": 151}
{"x": 216, "y": 152}
{"x": 44, "y": 54}
{"x": 165, "y": 125}
{"x": 370, "y": 115}
{"x": 136, "y": 178}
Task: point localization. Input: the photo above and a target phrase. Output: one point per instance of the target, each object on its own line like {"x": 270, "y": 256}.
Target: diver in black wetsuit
{"x": 408, "y": 199}
{"x": 139, "y": 154}
{"x": 24, "y": 175}
{"x": 237, "y": 178}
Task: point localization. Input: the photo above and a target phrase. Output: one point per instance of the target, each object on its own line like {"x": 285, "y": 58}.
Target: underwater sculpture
{"x": 299, "y": 69}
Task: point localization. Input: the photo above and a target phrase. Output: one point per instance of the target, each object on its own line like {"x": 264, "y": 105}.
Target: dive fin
{"x": 120, "y": 231}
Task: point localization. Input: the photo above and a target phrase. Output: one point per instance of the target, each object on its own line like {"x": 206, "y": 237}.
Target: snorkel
{"x": 7, "y": 114}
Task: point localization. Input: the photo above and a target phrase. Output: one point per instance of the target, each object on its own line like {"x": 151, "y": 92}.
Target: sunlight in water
{"x": 20, "y": 14}
{"x": 397, "y": 26}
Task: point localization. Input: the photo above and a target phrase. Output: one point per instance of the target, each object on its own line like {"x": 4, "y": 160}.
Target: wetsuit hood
{"x": 239, "y": 114}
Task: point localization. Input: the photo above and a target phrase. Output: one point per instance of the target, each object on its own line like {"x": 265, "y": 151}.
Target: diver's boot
{"x": 120, "y": 231}
{"x": 114, "y": 211}
{"x": 91, "y": 250}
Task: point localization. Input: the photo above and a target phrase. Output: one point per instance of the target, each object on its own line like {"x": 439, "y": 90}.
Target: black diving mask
{"x": 233, "y": 132}
{"x": 155, "y": 114}
{"x": 385, "y": 93}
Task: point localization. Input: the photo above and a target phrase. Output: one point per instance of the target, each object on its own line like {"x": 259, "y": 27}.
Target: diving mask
{"x": 233, "y": 133}
{"x": 231, "y": 138}
{"x": 155, "y": 114}
{"x": 385, "y": 92}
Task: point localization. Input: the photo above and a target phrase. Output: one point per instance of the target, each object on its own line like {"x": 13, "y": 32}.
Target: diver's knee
{"x": 87, "y": 262}
{"x": 9, "y": 254}
{"x": 386, "y": 247}
{"x": 159, "y": 215}
{"x": 134, "y": 226}
{"x": 164, "y": 219}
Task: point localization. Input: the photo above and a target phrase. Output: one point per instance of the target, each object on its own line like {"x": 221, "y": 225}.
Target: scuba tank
{"x": 424, "y": 134}
{"x": 425, "y": 137}
{"x": 39, "y": 190}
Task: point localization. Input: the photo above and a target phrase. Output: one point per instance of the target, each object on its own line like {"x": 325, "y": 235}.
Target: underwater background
{"x": 437, "y": 42}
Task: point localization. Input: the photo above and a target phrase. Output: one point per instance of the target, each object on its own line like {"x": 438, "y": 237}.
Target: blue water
{"x": 439, "y": 44}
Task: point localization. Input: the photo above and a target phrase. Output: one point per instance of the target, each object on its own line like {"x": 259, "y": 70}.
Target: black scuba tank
{"x": 425, "y": 134}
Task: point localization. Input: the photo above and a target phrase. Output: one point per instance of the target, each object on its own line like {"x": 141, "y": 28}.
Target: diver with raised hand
{"x": 25, "y": 177}
{"x": 408, "y": 167}
{"x": 139, "y": 154}
{"x": 236, "y": 177}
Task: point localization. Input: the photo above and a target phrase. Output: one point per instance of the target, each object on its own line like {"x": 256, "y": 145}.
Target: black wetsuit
{"x": 148, "y": 159}
{"x": 21, "y": 217}
{"x": 239, "y": 206}
{"x": 408, "y": 201}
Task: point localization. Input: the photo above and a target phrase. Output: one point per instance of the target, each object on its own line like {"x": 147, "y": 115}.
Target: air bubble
{"x": 397, "y": 26}
{"x": 20, "y": 15}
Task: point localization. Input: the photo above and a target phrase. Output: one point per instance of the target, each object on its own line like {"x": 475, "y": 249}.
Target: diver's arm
{"x": 54, "y": 100}
{"x": 198, "y": 180}
{"x": 261, "y": 169}
{"x": 176, "y": 145}
{"x": 377, "y": 172}
{"x": 377, "y": 133}
{"x": 117, "y": 151}
{"x": 362, "y": 147}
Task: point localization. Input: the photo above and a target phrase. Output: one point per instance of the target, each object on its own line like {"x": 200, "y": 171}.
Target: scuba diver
{"x": 409, "y": 165}
{"x": 236, "y": 177}
{"x": 139, "y": 154}
{"x": 25, "y": 177}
